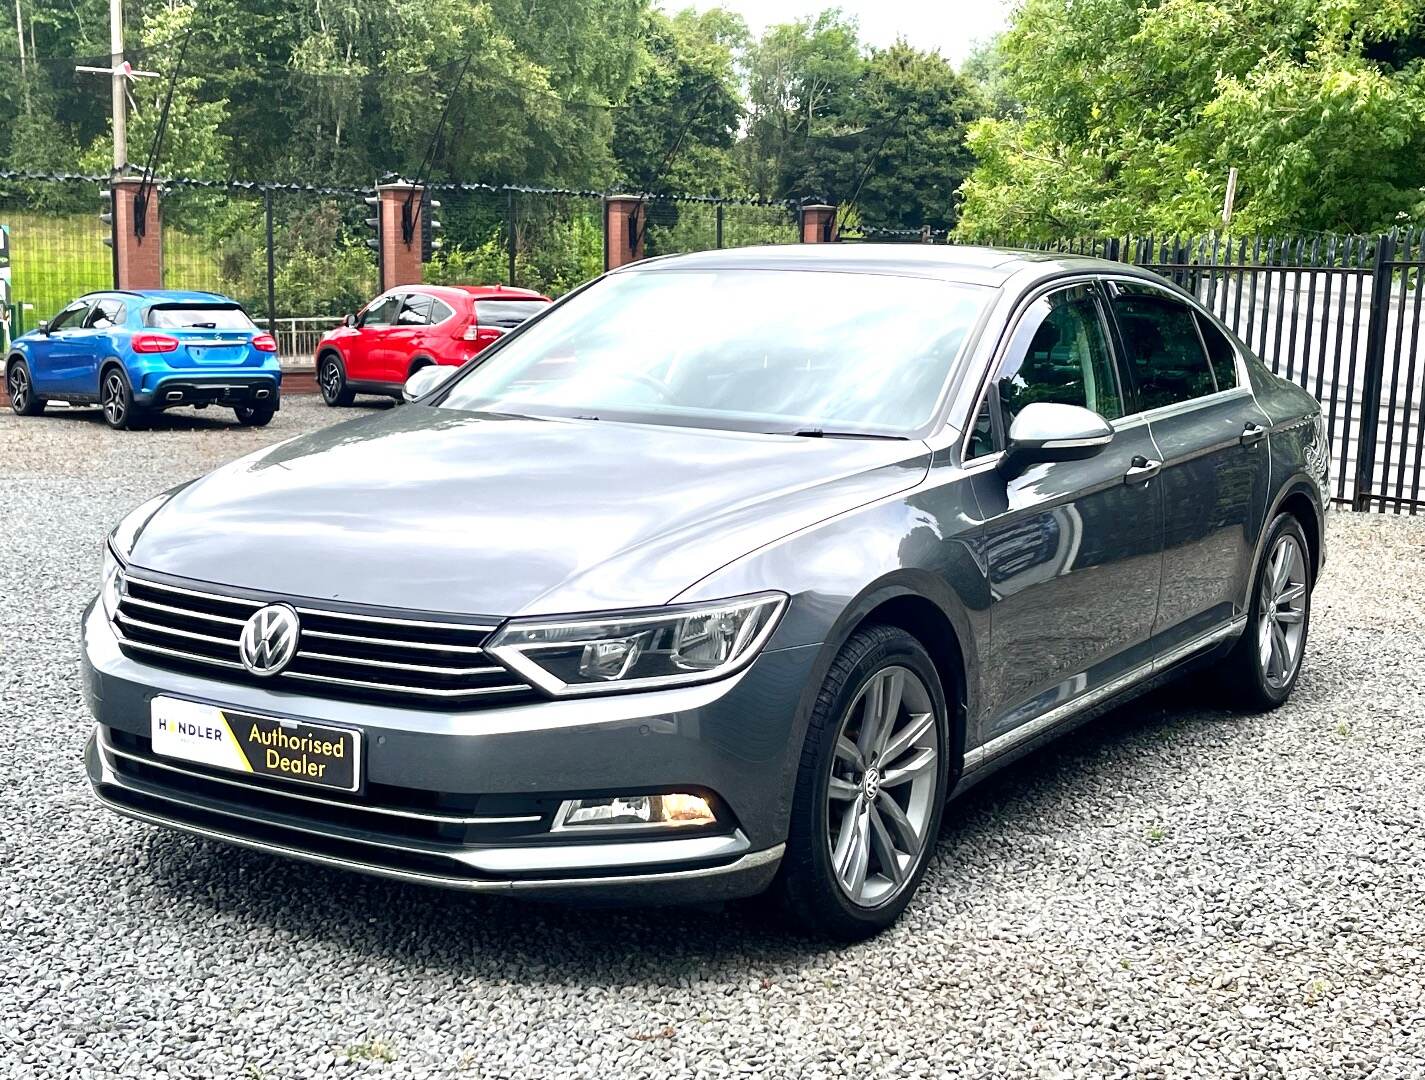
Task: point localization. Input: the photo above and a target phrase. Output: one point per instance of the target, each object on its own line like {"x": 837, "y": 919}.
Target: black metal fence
{"x": 1338, "y": 315}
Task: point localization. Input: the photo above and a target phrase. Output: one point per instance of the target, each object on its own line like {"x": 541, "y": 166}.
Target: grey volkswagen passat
{"x": 721, "y": 575}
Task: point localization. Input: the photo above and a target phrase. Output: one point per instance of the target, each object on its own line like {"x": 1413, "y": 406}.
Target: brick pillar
{"x": 818, "y": 224}
{"x": 400, "y": 261}
{"x": 138, "y": 260}
{"x": 625, "y": 226}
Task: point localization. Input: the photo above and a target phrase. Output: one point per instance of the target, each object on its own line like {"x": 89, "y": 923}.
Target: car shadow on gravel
{"x": 470, "y": 935}
{"x": 209, "y": 419}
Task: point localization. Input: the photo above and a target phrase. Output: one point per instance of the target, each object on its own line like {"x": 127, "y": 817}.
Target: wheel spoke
{"x": 885, "y": 850}
{"x": 1281, "y": 653}
{"x": 1281, "y": 566}
{"x": 857, "y": 857}
{"x": 891, "y": 813}
{"x": 1287, "y": 617}
{"x": 914, "y": 766}
{"x": 842, "y": 790}
{"x": 1292, "y": 594}
{"x": 906, "y": 737}
{"x": 847, "y": 751}
{"x": 882, "y": 706}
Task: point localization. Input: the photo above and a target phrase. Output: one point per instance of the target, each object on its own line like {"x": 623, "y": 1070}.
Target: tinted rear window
{"x": 1164, "y": 349}
{"x": 507, "y": 313}
{"x": 202, "y": 316}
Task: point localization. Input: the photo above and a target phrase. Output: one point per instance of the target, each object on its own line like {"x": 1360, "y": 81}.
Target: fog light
{"x": 633, "y": 811}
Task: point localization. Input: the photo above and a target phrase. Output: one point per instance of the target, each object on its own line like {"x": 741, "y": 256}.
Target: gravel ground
{"x": 1172, "y": 891}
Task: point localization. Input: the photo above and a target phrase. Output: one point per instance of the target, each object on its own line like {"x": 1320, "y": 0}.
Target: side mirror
{"x": 42, "y": 326}
{"x": 349, "y": 321}
{"x": 425, "y": 380}
{"x": 1047, "y": 432}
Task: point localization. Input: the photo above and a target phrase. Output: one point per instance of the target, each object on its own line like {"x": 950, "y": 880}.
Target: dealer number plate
{"x": 261, "y": 745}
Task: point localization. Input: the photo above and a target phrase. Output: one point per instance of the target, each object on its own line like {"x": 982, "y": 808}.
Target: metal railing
{"x": 297, "y": 338}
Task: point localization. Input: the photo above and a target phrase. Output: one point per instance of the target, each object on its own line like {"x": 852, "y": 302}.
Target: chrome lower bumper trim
{"x": 751, "y": 861}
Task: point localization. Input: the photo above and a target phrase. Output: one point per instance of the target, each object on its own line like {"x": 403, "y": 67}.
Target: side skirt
{"x": 988, "y": 759}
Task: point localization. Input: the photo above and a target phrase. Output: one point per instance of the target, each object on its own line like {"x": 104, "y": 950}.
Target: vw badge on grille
{"x": 269, "y": 640}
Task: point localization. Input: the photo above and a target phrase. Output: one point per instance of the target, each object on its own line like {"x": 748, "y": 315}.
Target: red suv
{"x": 411, "y": 326}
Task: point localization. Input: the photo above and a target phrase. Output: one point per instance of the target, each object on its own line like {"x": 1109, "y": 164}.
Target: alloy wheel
{"x": 1281, "y": 620}
{"x": 19, "y": 388}
{"x": 113, "y": 398}
{"x": 881, "y": 793}
{"x": 331, "y": 380}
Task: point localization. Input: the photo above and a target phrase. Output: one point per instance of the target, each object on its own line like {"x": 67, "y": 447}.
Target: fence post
{"x": 400, "y": 261}
{"x": 818, "y": 224}
{"x": 624, "y": 229}
{"x": 138, "y": 256}
{"x": 1377, "y": 325}
{"x": 1111, "y": 250}
{"x": 511, "y": 238}
{"x": 271, "y": 267}
{"x": 719, "y": 225}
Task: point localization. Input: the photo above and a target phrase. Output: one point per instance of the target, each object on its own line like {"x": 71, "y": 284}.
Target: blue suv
{"x": 136, "y": 353}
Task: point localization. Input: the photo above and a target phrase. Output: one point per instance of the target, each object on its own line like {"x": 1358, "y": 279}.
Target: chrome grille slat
{"x": 364, "y": 654}
{"x": 391, "y": 665}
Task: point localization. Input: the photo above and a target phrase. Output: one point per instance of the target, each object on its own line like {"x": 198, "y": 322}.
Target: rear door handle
{"x": 1252, "y": 434}
{"x": 1142, "y": 470}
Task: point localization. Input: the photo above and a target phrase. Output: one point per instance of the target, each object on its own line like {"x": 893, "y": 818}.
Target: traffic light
{"x": 430, "y": 226}
{"x": 107, "y": 215}
{"x": 373, "y": 221}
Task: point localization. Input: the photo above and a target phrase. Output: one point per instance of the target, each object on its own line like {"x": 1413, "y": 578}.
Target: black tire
{"x": 331, "y": 380}
{"x": 811, "y": 890}
{"x": 116, "y": 398}
{"x": 259, "y": 415}
{"x": 21, "y": 388}
{"x": 1251, "y": 679}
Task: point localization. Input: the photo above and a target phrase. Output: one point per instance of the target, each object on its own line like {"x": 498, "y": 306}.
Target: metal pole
{"x": 271, "y": 269}
{"x": 511, "y": 241}
{"x": 719, "y": 225}
{"x": 120, "y": 105}
{"x": 1377, "y": 325}
{"x": 1231, "y": 197}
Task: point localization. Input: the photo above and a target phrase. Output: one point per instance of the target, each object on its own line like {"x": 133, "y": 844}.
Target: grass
{"x": 371, "y": 1050}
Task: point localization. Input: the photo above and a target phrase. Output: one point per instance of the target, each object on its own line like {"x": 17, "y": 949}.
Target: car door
{"x": 1212, "y": 439}
{"x": 406, "y": 337}
{"x": 363, "y": 354}
{"x": 53, "y": 354}
{"x": 1072, "y": 549}
{"x": 87, "y": 346}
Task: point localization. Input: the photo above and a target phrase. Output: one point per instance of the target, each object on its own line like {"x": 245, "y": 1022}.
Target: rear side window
{"x": 199, "y": 316}
{"x": 507, "y": 314}
{"x": 439, "y": 311}
{"x": 106, "y": 314}
{"x": 1220, "y": 353}
{"x": 1162, "y": 348}
{"x": 415, "y": 312}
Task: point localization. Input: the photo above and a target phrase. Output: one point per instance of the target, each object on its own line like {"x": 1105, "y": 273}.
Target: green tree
{"x": 1133, "y": 113}
{"x": 676, "y": 130}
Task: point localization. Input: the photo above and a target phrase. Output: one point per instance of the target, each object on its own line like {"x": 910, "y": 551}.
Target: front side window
{"x": 382, "y": 312}
{"x": 746, "y": 349}
{"x": 199, "y": 317}
{"x": 1060, "y": 354}
{"x": 71, "y": 318}
{"x": 1162, "y": 347}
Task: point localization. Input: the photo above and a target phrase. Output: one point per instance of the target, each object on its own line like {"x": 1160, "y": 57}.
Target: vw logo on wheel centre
{"x": 269, "y": 639}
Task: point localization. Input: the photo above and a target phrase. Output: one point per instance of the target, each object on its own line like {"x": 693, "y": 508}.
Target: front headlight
{"x": 639, "y": 650}
{"x": 111, "y": 581}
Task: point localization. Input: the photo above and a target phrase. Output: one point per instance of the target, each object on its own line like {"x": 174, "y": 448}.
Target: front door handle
{"x": 1142, "y": 470}
{"x": 1252, "y": 434}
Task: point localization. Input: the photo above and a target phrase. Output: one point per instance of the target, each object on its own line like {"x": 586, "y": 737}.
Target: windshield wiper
{"x": 202, "y": 326}
{"x": 823, "y": 433}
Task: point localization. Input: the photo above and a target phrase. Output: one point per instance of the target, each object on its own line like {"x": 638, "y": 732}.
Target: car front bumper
{"x": 738, "y": 739}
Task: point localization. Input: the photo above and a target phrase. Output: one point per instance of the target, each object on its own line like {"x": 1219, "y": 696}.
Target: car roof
{"x": 480, "y": 292}
{"x": 974, "y": 265}
{"x": 179, "y": 296}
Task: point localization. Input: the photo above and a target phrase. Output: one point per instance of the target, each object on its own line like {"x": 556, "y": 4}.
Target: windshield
{"x": 756, "y": 350}
{"x": 200, "y": 316}
{"x": 507, "y": 313}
